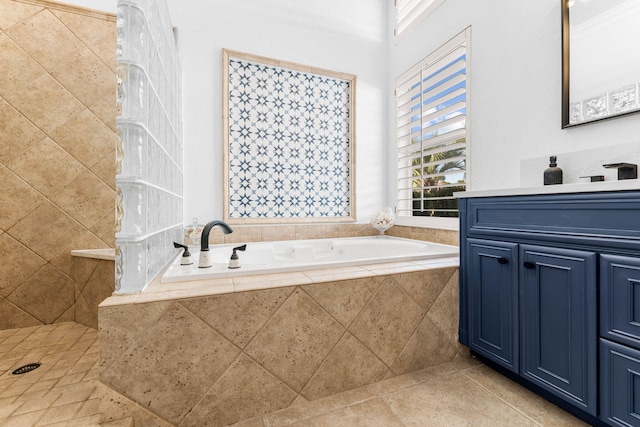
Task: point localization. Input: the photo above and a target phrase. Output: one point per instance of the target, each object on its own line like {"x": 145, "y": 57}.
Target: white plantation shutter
{"x": 410, "y": 11}
{"x": 431, "y": 132}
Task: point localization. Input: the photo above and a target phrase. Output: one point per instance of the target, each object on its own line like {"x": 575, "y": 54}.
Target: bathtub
{"x": 298, "y": 255}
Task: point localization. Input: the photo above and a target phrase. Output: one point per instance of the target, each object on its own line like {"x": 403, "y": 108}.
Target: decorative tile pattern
{"x": 289, "y": 143}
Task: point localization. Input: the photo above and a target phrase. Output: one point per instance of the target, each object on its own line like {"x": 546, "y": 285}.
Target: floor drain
{"x": 26, "y": 368}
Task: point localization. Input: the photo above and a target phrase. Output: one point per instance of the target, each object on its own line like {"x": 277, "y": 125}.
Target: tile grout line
{"x": 346, "y": 331}
{"x": 49, "y": 73}
{"x": 498, "y": 397}
{"x": 395, "y": 415}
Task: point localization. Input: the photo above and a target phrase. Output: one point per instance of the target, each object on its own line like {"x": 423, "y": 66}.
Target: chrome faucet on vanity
{"x": 205, "y": 261}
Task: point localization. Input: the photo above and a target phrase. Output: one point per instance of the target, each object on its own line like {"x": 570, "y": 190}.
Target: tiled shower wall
{"x": 57, "y": 121}
{"x": 149, "y": 171}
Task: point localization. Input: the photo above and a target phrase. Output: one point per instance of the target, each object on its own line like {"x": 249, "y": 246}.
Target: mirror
{"x": 600, "y": 60}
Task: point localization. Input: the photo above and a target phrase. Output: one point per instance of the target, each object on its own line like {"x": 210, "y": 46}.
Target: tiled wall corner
{"x": 57, "y": 155}
{"x": 93, "y": 283}
{"x": 284, "y": 344}
{"x": 149, "y": 169}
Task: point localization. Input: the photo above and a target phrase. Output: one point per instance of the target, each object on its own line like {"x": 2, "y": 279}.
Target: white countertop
{"x": 582, "y": 187}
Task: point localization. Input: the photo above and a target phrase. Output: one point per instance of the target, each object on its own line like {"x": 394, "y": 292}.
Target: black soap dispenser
{"x": 553, "y": 174}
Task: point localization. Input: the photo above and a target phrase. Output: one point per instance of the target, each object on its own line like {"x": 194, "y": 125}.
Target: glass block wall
{"x": 149, "y": 156}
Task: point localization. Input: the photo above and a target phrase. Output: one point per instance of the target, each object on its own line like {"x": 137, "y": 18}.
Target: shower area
{"x": 57, "y": 168}
{"x": 57, "y": 190}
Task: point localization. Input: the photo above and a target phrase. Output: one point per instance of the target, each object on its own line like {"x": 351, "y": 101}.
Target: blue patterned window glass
{"x": 289, "y": 143}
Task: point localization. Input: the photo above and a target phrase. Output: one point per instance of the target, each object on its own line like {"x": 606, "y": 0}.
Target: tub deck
{"x": 159, "y": 291}
{"x": 261, "y": 258}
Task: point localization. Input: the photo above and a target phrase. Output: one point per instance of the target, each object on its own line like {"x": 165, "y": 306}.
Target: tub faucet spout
{"x": 205, "y": 260}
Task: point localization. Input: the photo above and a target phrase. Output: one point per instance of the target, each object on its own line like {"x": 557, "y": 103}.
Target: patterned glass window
{"x": 289, "y": 142}
{"x": 431, "y": 132}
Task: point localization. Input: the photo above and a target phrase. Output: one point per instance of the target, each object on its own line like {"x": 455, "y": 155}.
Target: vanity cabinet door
{"x": 619, "y": 384}
{"x": 620, "y": 299}
{"x": 558, "y": 335}
{"x": 493, "y": 300}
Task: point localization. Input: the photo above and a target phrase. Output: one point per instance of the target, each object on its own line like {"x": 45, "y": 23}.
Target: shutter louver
{"x": 409, "y": 11}
{"x": 431, "y": 132}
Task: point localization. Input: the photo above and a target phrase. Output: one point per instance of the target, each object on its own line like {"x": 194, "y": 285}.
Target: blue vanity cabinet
{"x": 550, "y": 293}
{"x": 558, "y": 312}
{"x": 620, "y": 343}
{"x": 493, "y": 301}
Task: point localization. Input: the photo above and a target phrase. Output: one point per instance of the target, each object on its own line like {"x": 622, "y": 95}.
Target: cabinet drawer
{"x": 620, "y": 299}
{"x": 584, "y": 218}
{"x": 619, "y": 384}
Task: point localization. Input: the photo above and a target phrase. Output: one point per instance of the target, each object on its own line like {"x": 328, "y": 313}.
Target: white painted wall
{"x": 109, "y": 6}
{"x": 515, "y": 112}
{"x": 515, "y": 86}
{"x": 347, "y": 36}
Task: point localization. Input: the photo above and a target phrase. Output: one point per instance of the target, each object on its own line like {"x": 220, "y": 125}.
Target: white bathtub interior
{"x": 298, "y": 255}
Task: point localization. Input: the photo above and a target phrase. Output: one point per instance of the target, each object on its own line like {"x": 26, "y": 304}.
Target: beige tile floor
{"x": 461, "y": 393}
{"x": 62, "y": 392}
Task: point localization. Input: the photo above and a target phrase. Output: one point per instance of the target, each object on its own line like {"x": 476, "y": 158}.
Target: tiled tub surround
{"x": 220, "y": 351}
{"x": 266, "y": 233}
{"x": 57, "y": 161}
